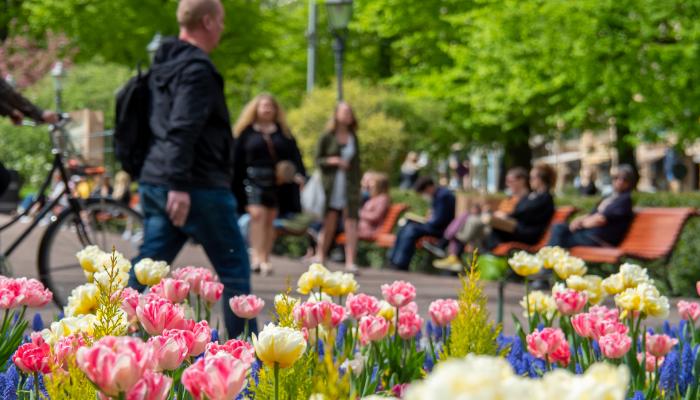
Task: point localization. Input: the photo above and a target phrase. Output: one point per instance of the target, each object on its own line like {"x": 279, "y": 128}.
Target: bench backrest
{"x": 654, "y": 231}
{"x": 391, "y": 218}
{"x": 561, "y": 214}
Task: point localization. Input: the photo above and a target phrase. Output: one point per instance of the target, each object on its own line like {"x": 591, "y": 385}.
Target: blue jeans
{"x": 405, "y": 245}
{"x": 212, "y": 222}
{"x": 562, "y": 236}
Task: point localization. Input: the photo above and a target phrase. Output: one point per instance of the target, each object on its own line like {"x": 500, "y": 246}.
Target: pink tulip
{"x": 35, "y": 294}
{"x": 569, "y": 301}
{"x": 160, "y": 314}
{"x": 399, "y": 293}
{"x": 246, "y": 306}
{"x": 584, "y": 324}
{"x": 218, "y": 377}
{"x": 615, "y": 345}
{"x": 11, "y": 293}
{"x": 194, "y": 276}
{"x": 115, "y": 364}
{"x": 175, "y": 290}
{"x": 409, "y": 325}
{"x": 549, "y": 344}
{"x": 211, "y": 291}
{"x": 650, "y": 362}
{"x": 152, "y": 386}
{"x": 171, "y": 348}
{"x": 443, "y": 312}
{"x": 603, "y": 327}
{"x": 239, "y": 349}
{"x": 373, "y": 329}
{"x": 361, "y": 305}
{"x": 605, "y": 313}
{"x": 65, "y": 347}
{"x": 202, "y": 336}
{"x": 411, "y": 308}
{"x": 130, "y": 300}
{"x": 310, "y": 315}
{"x": 33, "y": 357}
{"x": 689, "y": 311}
{"x": 660, "y": 345}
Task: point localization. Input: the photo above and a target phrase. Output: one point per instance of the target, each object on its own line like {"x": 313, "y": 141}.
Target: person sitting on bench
{"x": 607, "y": 223}
{"x": 441, "y": 213}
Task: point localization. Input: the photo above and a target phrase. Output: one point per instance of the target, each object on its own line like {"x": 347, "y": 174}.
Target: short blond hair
{"x": 191, "y": 12}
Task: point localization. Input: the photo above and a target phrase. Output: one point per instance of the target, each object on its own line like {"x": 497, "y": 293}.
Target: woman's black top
{"x": 533, "y": 214}
{"x": 251, "y": 150}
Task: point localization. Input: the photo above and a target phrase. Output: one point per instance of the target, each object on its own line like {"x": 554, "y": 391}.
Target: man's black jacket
{"x": 192, "y": 145}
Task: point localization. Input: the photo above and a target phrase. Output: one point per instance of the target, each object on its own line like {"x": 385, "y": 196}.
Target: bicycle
{"x": 74, "y": 224}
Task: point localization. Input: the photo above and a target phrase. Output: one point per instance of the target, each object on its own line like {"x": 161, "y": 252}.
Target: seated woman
{"x": 526, "y": 222}
{"x": 374, "y": 210}
{"x": 607, "y": 223}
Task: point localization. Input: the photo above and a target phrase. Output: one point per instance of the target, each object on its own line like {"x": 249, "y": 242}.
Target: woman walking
{"x": 264, "y": 150}
{"x": 338, "y": 158}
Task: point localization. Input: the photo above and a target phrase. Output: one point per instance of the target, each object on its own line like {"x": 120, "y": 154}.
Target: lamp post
{"x": 339, "y": 14}
{"x": 57, "y": 72}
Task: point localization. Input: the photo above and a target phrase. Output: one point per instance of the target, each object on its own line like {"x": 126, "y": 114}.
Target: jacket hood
{"x": 172, "y": 55}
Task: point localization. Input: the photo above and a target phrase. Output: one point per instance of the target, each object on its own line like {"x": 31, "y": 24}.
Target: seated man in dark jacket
{"x": 607, "y": 223}
{"x": 442, "y": 212}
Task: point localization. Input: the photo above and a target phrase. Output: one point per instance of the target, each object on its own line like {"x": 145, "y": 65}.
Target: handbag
{"x": 284, "y": 170}
{"x": 313, "y": 197}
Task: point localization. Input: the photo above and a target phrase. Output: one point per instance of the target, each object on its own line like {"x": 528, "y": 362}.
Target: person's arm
{"x": 375, "y": 210}
{"x": 298, "y": 161}
{"x": 15, "y": 101}
{"x": 239, "y": 171}
{"x": 442, "y": 211}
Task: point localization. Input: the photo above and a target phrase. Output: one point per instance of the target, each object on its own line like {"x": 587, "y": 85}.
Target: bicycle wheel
{"x": 106, "y": 224}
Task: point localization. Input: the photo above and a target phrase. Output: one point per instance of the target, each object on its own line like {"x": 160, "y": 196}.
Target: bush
{"x": 92, "y": 86}
{"x": 683, "y": 268}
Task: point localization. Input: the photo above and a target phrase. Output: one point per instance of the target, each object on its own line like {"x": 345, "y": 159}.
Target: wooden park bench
{"x": 651, "y": 236}
{"x": 390, "y": 220}
{"x": 561, "y": 214}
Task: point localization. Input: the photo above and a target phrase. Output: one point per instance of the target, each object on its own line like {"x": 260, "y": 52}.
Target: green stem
{"x": 445, "y": 339}
{"x": 396, "y": 327}
{"x": 432, "y": 349}
{"x": 277, "y": 379}
{"x": 317, "y": 346}
{"x": 36, "y": 385}
{"x": 199, "y": 308}
{"x": 527, "y": 305}
{"x": 245, "y": 329}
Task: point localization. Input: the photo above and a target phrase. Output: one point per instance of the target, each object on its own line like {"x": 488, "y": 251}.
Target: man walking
{"x": 185, "y": 184}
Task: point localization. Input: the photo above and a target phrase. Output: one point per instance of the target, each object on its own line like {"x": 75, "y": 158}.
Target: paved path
{"x": 287, "y": 271}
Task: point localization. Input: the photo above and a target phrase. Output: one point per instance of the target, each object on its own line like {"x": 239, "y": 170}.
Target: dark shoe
{"x": 435, "y": 250}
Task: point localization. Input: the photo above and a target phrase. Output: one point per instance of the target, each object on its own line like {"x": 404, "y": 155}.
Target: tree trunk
{"x": 516, "y": 151}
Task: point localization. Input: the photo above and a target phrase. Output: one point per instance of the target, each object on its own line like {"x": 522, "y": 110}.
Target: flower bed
{"x": 114, "y": 342}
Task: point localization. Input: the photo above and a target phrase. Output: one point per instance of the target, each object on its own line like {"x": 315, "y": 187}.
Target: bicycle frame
{"x": 73, "y": 202}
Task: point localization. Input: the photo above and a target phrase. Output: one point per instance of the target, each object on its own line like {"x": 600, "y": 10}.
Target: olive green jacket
{"x": 328, "y": 147}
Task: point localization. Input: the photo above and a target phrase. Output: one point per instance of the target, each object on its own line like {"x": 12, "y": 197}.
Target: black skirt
{"x": 261, "y": 186}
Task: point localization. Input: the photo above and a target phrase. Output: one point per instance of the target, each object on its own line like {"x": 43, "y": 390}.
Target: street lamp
{"x": 339, "y": 14}
{"x": 153, "y": 46}
{"x": 58, "y": 72}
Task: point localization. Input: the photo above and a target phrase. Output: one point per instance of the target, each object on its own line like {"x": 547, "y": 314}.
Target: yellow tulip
{"x": 149, "y": 272}
{"x": 590, "y": 284}
{"x": 89, "y": 259}
{"x": 525, "y": 264}
{"x": 82, "y": 300}
{"x": 539, "y": 302}
{"x": 386, "y": 311}
{"x": 569, "y": 266}
{"x": 645, "y": 299}
{"x": 279, "y": 345}
{"x": 312, "y": 279}
{"x": 550, "y": 255}
{"x": 340, "y": 284}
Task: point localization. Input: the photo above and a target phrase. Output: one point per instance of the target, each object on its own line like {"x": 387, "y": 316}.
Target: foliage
{"x": 472, "y": 332}
{"x": 72, "y": 384}
{"x": 111, "y": 319}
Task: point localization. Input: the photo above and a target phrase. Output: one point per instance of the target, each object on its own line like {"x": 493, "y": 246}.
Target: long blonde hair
{"x": 250, "y": 114}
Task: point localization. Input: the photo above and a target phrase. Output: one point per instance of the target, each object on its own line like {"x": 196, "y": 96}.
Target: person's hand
{"x": 16, "y": 116}
{"x": 486, "y": 218}
{"x": 178, "y": 207}
{"x": 576, "y": 224}
{"x": 299, "y": 180}
{"x": 50, "y": 117}
{"x": 500, "y": 214}
{"x": 333, "y": 161}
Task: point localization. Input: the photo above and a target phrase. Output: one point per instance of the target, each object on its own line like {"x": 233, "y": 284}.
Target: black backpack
{"x": 132, "y": 131}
